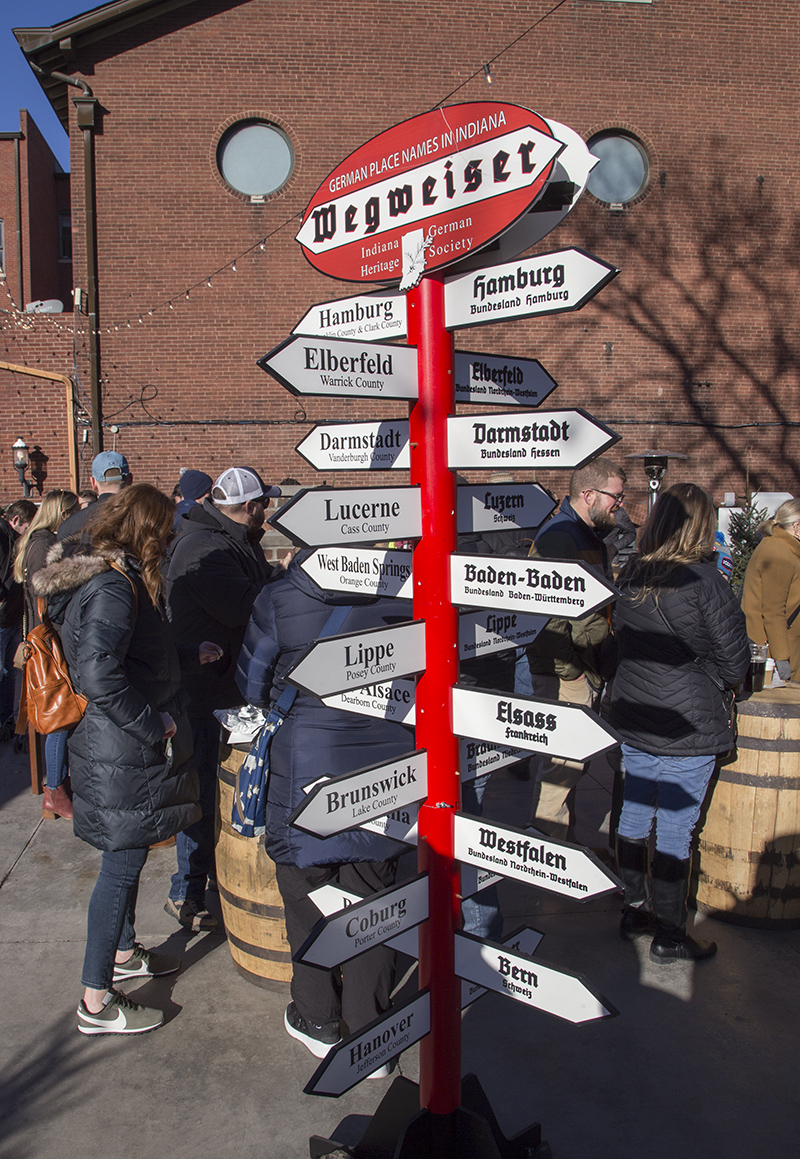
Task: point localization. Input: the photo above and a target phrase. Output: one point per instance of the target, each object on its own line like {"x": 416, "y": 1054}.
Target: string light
{"x": 487, "y": 72}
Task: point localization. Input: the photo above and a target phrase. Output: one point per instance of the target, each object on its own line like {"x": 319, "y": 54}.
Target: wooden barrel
{"x": 252, "y": 908}
{"x": 749, "y": 849}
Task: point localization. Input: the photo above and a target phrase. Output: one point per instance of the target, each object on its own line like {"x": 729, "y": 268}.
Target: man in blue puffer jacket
{"x": 316, "y": 741}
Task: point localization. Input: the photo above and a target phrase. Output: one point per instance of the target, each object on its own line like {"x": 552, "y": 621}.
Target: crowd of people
{"x": 169, "y": 612}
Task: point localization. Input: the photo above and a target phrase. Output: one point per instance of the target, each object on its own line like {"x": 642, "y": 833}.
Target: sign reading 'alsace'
{"x": 387, "y": 700}
{"x": 343, "y": 369}
{"x": 326, "y": 515}
{"x": 553, "y": 865}
{"x": 364, "y": 571}
{"x": 543, "y": 726}
{"x": 336, "y": 663}
{"x": 460, "y": 174}
{"x": 555, "y": 438}
{"x": 548, "y": 587}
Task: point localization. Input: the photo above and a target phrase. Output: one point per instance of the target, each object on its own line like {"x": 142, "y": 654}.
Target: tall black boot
{"x": 670, "y": 887}
{"x": 633, "y": 856}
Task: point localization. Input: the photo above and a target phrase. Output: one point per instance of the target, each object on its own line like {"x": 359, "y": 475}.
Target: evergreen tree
{"x": 744, "y": 534}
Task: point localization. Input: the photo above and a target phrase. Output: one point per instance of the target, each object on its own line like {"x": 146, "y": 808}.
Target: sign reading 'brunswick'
{"x": 553, "y": 865}
{"x": 558, "y": 438}
{"x": 344, "y": 802}
{"x": 548, "y": 587}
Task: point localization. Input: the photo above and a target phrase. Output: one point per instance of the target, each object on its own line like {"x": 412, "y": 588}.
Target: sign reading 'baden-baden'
{"x": 462, "y": 174}
{"x": 548, "y": 587}
{"x": 327, "y": 515}
{"x": 558, "y": 438}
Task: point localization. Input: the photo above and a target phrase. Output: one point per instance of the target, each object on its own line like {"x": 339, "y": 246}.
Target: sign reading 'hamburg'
{"x": 462, "y": 175}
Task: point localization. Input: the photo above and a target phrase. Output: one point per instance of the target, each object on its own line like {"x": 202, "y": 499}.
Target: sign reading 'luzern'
{"x": 363, "y": 571}
{"x": 344, "y": 802}
{"x": 380, "y": 446}
{"x": 553, "y": 865}
{"x": 327, "y": 515}
{"x": 546, "y": 284}
{"x": 502, "y": 506}
{"x": 376, "y": 316}
{"x": 388, "y": 700}
{"x": 501, "y": 381}
{"x": 346, "y": 369}
{"x": 522, "y": 978}
{"x": 368, "y": 923}
{"x": 337, "y": 663}
{"x": 543, "y": 726}
{"x": 557, "y": 438}
{"x": 547, "y": 587}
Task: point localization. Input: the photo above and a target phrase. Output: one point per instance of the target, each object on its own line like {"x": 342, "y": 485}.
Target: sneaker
{"x": 145, "y": 964}
{"x": 191, "y": 915}
{"x": 120, "y": 1015}
{"x": 317, "y": 1037}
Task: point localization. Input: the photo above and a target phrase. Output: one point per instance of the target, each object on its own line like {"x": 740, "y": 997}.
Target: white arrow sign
{"x": 520, "y": 977}
{"x": 373, "y": 317}
{"x": 363, "y": 571}
{"x": 344, "y": 802}
{"x": 524, "y": 941}
{"x": 547, "y": 587}
{"x": 546, "y": 284}
{"x": 373, "y": 1047}
{"x": 502, "y": 506}
{"x": 368, "y": 923}
{"x": 330, "y": 366}
{"x": 542, "y": 726}
{"x": 337, "y": 663}
{"x": 378, "y": 446}
{"x": 400, "y": 825}
{"x": 485, "y": 632}
{"x": 542, "y": 861}
{"x": 555, "y": 438}
{"x": 358, "y": 515}
{"x": 500, "y": 381}
{"x": 479, "y": 758}
{"x": 390, "y": 700}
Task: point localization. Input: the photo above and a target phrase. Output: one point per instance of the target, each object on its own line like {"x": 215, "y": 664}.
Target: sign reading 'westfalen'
{"x": 548, "y": 587}
{"x": 328, "y": 515}
{"x": 558, "y": 438}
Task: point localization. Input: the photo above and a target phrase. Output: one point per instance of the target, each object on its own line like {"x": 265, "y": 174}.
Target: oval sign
{"x": 456, "y": 177}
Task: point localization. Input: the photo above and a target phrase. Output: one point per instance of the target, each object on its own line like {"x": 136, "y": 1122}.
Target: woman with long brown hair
{"x": 130, "y": 756}
{"x": 681, "y": 642}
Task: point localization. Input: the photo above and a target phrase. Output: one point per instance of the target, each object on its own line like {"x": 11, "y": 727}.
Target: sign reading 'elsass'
{"x": 556, "y": 438}
{"x": 461, "y": 175}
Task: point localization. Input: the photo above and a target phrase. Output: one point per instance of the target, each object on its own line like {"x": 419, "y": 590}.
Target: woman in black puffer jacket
{"x": 130, "y": 757}
{"x": 681, "y": 639}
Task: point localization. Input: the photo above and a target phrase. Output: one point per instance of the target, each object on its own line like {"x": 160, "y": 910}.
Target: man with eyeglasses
{"x": 570, "y": 660}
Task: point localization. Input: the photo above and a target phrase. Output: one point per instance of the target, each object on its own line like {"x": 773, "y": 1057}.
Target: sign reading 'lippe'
{"x": 558, "y": 438}
{"x": 548, "y": 587}
{"x": 336, "y": 663}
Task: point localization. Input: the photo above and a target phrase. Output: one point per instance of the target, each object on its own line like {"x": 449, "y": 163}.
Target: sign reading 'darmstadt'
{"x": 387, "y": 700}
{"x": 501, "y": 381}
{"x": 363, "y": 571}
{"x": 365, "y": 924}
{"x": 377, "y": 316}
{"x": 521, "y": 977}
{"x": 377, "y": 1044}
{"x": 378, "y": 446}
{"x": 327, "y": 515}
{"x": 542, "y": 861}
{"x": 548, "y": 587}
{"x": 464, "y": 173}
{"x": 545, "y": 284}
{"x": 485, "y": 632}
{"x": 337, "y": 663}
{"x": 343, "y": 368}
{"x": 556, "y": 438}
{"x": 543, "y": 726}
{"x": 502, "y": 506}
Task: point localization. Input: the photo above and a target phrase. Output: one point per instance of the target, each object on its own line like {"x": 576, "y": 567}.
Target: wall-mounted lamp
{"x": 487, "y": 72}
{"x": 20, "y": 460}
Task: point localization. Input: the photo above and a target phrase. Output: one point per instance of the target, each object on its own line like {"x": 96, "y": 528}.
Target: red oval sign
{"x": 456, "y": 177}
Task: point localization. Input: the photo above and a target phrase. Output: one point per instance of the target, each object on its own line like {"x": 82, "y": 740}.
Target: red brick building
{"x": 692, "y": 349}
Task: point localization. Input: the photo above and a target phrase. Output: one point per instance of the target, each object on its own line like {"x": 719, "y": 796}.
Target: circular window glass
{"x": 621, "y": 173}
{"x": 255, "y": 158}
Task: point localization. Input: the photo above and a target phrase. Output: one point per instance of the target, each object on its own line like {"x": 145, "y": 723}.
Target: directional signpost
{"x": 559, "y": 438}
{"x": 548, "y": 587}
{"x": 357, "y": 515}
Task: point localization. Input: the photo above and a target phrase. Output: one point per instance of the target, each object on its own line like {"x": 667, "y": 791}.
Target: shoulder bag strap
{"x": 118, "y": 567}
{"x": 332, "y": 625}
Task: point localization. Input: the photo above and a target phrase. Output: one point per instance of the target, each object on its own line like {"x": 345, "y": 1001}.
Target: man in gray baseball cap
{"x": 110, "y": 473}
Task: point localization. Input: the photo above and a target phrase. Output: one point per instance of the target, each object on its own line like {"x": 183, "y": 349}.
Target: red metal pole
{"x": 440, "y": 1052}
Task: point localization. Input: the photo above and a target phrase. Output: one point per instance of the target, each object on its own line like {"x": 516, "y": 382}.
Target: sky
{"x": 19, "y": 88}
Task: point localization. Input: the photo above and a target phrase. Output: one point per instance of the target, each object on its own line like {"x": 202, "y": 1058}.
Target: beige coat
{"x": 771, "y": 593}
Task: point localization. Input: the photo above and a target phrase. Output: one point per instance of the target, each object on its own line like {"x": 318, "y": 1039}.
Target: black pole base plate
{"x": 399, "y": 1129}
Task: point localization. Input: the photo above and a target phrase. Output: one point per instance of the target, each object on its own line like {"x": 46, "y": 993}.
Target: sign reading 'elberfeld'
{"x": 543, "y": 726}
{"x": 343, "y": 369}
{"x": 553, "y": 865}
{"x": 521, "y": 977}
{"x": 546, "y": 284}
{"x": 499, "y": 380}
{"x": 548, "y": 587}
{"x": 336, "y": 663}
{"x": 558, "y": 438}
{"x": 363, "y": 571}
{"x": 327, "y": 515}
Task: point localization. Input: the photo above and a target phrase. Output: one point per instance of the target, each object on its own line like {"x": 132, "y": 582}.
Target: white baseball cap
{"x": 240, "y": 485}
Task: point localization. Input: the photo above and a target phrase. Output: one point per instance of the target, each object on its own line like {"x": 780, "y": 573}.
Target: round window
{"x": 620, "y": 175}
{"x": 255, "y": 158}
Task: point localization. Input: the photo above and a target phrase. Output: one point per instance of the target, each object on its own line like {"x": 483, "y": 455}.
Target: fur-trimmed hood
{"x": 64, "y": 572}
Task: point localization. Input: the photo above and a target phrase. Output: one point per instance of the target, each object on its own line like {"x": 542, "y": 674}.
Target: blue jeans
{"x": 195, "y": 845}
{"x": 112, "y": 910}
{"x": 9, "y": 641}
{"x": 669, "y": 790}
{"x": 55, "y": 757}
{"x": 481, "y": 912}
